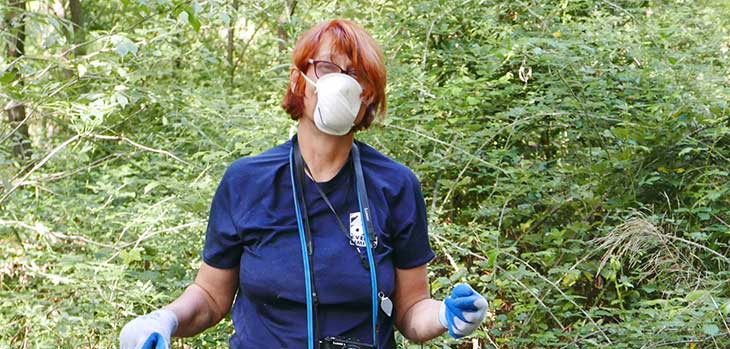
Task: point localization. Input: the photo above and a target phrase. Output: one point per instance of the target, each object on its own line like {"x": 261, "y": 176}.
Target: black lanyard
{"x": 296, "y": 168}
{"x": 363, "y": 258}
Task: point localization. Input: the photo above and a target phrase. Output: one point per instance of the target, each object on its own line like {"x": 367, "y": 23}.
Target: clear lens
{"x": 324, "y": 68}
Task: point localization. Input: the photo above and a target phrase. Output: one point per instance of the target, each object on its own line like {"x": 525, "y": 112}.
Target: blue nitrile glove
{"x": 151, "y": 331}
{"x": 463, "y": 311}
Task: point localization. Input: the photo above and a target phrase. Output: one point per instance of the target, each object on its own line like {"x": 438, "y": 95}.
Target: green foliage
{"x": 574, "y": 156}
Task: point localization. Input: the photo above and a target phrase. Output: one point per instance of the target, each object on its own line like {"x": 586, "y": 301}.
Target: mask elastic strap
{"x": 304, "y": 75}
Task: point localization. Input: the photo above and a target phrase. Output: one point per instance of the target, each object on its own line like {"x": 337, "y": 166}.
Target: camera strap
{"x": 369, "y": 231}
{"x": 296, "y": 171}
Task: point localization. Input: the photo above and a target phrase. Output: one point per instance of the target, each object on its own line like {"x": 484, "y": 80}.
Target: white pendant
{"x": 386, "y": 305}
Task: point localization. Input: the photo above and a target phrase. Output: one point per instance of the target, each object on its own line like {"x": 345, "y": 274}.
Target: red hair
{"x": 367, "y": 60}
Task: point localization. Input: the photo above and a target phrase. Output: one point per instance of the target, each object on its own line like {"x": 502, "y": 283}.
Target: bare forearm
{"x": 195, "y": 310}
{"x": 420, "y": 323}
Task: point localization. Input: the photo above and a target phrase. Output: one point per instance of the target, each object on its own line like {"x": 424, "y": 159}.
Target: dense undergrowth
{"x": 574, "y": 156}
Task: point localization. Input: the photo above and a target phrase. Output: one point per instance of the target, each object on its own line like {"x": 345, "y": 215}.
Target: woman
{"x": 323, "y": 238}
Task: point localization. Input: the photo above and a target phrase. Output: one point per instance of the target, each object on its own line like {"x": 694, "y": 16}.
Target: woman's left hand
{"x": 463, "y": 311}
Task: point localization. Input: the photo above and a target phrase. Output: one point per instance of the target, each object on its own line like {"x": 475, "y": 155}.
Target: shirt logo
{"x": 357, "y": 237}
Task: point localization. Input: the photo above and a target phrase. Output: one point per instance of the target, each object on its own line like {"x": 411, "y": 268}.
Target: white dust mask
{"x": 338, "y": 102}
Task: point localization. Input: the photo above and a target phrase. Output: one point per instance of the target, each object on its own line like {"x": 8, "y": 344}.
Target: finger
{"x": 462, "y": 290}
{"x": 453, "y": 331}
{"x": 474, "y": 316}
{"x": 481, "y": 303}
{"x": 455, "y": 311}
{"x": 463, "y": 328}
{"x": 465, "y": 303}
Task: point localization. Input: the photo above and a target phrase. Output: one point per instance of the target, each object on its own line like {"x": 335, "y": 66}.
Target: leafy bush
{"x": 574, "y": 156}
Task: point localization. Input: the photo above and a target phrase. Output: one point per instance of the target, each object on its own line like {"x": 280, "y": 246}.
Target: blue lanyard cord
{"x": 366, "y": 222}
{"x": 305, "y": 241}
{"x": 305, "y": 256}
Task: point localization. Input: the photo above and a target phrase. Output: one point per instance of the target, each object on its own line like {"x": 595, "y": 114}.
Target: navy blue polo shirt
{"x": 253, "y": 224}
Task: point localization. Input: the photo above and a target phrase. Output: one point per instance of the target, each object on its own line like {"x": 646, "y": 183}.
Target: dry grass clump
{"x": 652, "y": 250}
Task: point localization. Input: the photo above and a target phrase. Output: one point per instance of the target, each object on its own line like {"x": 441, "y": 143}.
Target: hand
{"x": 151, "y": 331}
{"x": 463, "y": 311}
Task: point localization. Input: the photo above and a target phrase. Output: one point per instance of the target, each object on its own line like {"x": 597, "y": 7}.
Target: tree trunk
{"x": 283, "y": 20}
{"x": 231, "y": 47}
{"x": 77, "y": 18}
{"x": 15, "y": 24}
{"x": 59, "y": 9}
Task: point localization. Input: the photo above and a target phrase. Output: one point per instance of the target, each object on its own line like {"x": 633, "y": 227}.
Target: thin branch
{"x": 555, "y": 318}
{"x": 492, "y": 166}
{"x": 680, "y": 312}
{"x": 245, "y": 48}
{"x": 143, "y": 220}
{"x": 445, "y": 241}
{"x": 484, "y": 144}
{"x": 617, "y": 7}
{"x": 45, "y": 232}
{"x": 39, "y": 165}
{"x": 491, "y": 341}
{"x": 555, "y": 286}
{"x": 539, "y": 276}
{"x": 692, "y": 243}
{"x": 499, "y": 232}
{"x": 436, "y": 187}
{"x": 721, "y": 314}
{"x": 721, "y": 221}
{"x": 124, "y": 30}
{"x": 673, "y": 344}
{"x": 32, "y": 111}
{"x": 451, "y": 260}
{"x": 542, "y": 220}
{"x": 50, "y": 155}
{"x": 94, "y": 164}
{"x": 711, "y": 149}
{"x": 61, "y": 175}
{"x": 148, "y": 235}
{"x": 140, "y": 146}
{"x": 425, "y": 49}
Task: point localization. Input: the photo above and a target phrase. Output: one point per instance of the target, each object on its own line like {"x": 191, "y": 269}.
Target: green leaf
{"x": 685, "y": 151}
{"x": 81, "y": 70}
{"x": 695, "y": 295}
{"x": 150, "y": 186}
{"x": 711, "y": 329}
{"x": 7, "y": 78}
{"x": 120, "y": 99}
{"x": 192, "y": 19}
{"x": 131, "y": 256}
{"x": 123, "y": 45}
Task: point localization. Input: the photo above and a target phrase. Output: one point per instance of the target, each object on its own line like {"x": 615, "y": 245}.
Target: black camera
{"x": 342, "y": 343}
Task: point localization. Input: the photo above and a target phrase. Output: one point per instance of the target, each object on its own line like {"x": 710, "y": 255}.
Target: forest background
{"x": 574, "y": 156}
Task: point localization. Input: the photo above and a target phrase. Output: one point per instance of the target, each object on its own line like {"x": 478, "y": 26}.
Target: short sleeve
{"x": 411, "y": 246}
{"x": 223, "y": 243}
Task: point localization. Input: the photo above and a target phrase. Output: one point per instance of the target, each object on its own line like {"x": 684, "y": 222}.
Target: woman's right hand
{"x": 151, "y": 331}
{"x": 202, "y": 305}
